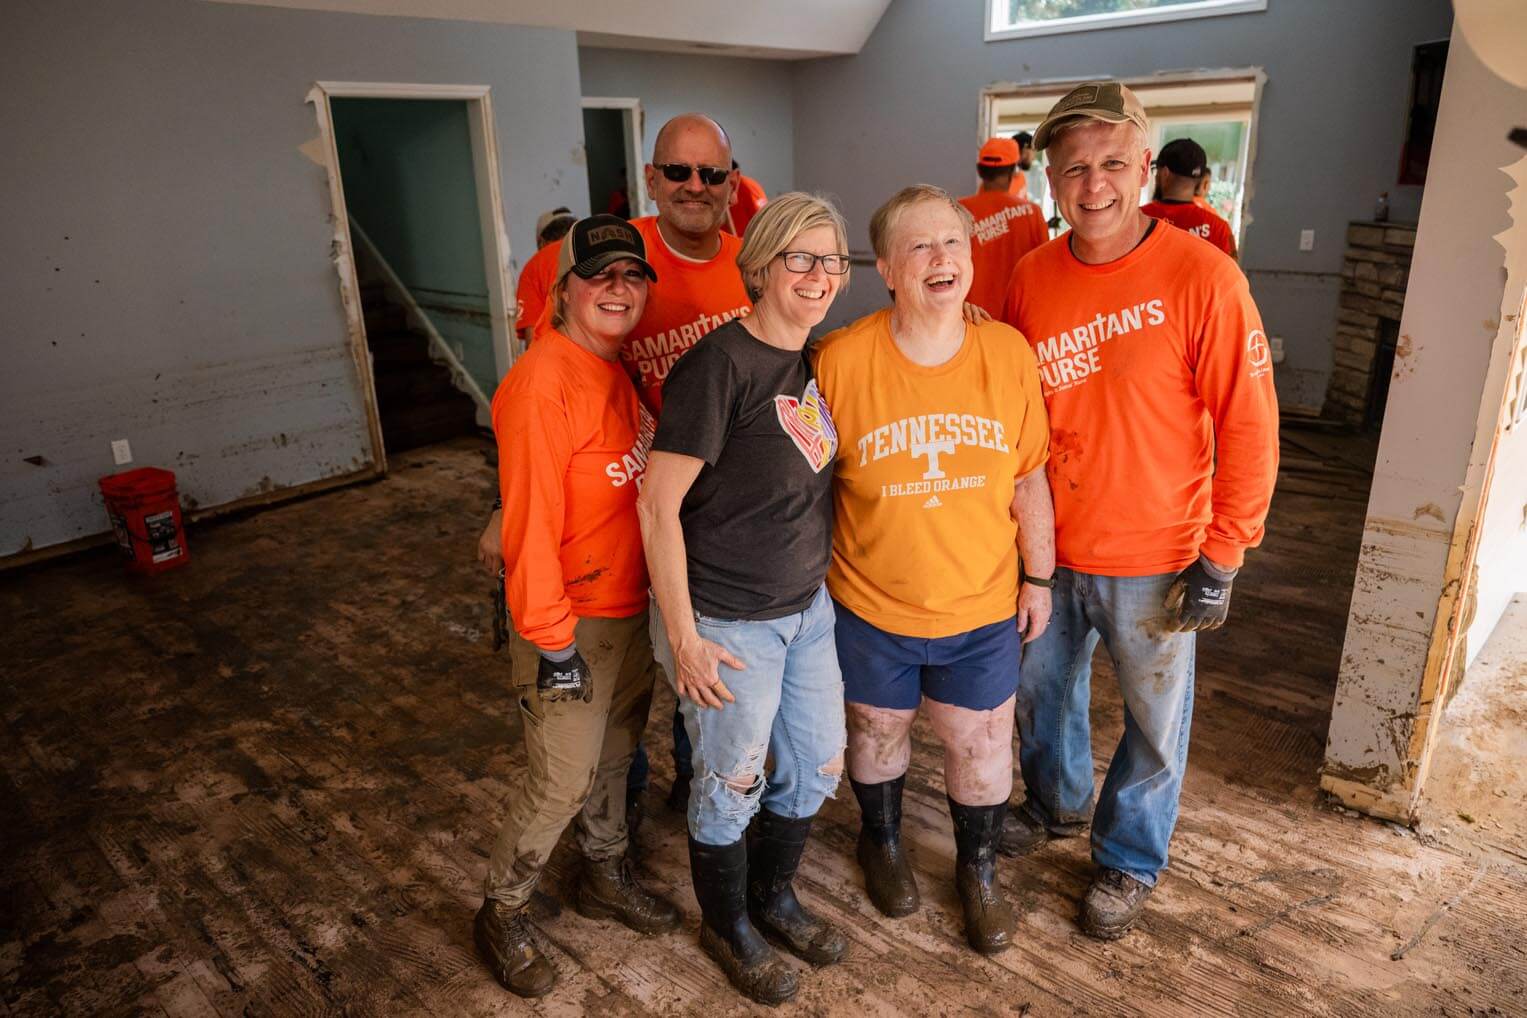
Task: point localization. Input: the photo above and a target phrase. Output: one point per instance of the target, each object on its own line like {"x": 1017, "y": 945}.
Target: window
{"x": 1015, "y": 19}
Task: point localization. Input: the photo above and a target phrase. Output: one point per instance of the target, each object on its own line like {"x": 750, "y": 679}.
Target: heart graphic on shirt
{"x": 808, "y": 422}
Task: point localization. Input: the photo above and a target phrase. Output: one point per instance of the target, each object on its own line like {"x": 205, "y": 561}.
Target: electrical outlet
{"x": 1306, "y": 240}
{"x": 121, "y": 452}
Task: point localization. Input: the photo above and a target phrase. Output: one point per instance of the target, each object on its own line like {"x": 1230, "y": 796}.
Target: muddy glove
{"x": 564, "y": 679}
{"x": 1199, "y": 599}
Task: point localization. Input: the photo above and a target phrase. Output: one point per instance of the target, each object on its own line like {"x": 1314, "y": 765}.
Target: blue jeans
{"x": 1137, "y": 807}
{"x": 789, "y": 705}
{"x": 641, "y": 767}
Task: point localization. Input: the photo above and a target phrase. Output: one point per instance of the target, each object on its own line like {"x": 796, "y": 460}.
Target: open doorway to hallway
{"x": 612, "y": 140}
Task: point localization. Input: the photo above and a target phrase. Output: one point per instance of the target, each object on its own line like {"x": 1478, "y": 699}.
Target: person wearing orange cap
{"x": 1163, "y": 454}
{"x": 1006, "y": 227}
{"x": 1180, "y": 166}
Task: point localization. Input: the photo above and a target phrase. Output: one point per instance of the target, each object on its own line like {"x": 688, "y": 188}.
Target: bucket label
{"x": 124, "y": 537}
{"x": 162, "y": 541}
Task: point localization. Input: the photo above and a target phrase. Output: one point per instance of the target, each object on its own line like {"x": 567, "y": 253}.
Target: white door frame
{"x": 490, "y": 211}
{"x": 632, "y": 124}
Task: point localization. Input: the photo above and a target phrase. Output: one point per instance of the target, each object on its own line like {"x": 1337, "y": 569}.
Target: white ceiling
{"x": 781, "y": 29}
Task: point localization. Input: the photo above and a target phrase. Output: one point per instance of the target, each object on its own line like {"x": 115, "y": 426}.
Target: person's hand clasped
{"x": 1034, "y": 608}
{"x": 699, "y": 675}
{"x": 490, "y": 546}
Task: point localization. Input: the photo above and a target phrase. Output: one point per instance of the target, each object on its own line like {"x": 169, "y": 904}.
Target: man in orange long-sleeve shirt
{"x": 1006, "y": 227}
{"x": 1163, "y": 453}
{"x": 1180, "y": 166}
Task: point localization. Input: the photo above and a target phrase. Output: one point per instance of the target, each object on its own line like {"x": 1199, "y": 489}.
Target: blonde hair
{"x": 776, "y": 225}
{"x": 886, "y": 216}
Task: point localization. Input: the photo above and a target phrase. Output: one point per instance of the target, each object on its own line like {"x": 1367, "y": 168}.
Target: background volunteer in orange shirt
{"x": 539, "y": 273}
{"x": 747, "y": 198}
{"x": 1180, "y": 166}
{"x": 1006, "y": 227}
{"x": 939, "y": 486}
{"x": 573, "y": 443}
{"x": 1163, "y": 454}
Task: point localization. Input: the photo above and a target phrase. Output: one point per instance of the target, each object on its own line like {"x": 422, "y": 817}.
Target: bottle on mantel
{"x": 1381, "y": 208}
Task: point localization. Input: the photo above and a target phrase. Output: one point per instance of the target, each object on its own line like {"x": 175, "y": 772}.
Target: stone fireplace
{"x": 1373, "y": 274}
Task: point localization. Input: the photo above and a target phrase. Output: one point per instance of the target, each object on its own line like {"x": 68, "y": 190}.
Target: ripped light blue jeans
{"x": 789, "y": 707}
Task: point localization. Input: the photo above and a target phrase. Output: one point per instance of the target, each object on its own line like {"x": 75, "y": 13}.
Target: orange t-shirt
{"x": 1006, "y": 229}
{"x": 573, "y": 441}
{"x": 1163, "y": 417}
{"x": 750, "y": 198}
{"x": 924, "y": 543}
{"x": 689, "y": 299}
{"x": 534, "y": 290}
{"x": 1194, "y": 218}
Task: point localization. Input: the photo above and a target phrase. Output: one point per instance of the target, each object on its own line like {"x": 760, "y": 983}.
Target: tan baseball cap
{"x": 1108, "y": 101}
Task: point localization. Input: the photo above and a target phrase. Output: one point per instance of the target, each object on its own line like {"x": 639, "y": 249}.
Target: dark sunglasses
{"x": 679, "y": 173}
{"x": 802, "y": 262}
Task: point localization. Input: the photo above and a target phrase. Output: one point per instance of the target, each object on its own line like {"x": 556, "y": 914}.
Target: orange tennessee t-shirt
{"x": 1194, "y": 218}
{"x": 1006, "y": 229}
{"x": 536, "y": 279}
{"x": 572, "y": 452}
{"x": 689, "y": 299}
{"x": 1163, "y": 417}
{"x": 924, "y": 543}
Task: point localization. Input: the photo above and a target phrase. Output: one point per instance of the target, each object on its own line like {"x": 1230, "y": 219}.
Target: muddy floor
{"x": 267, "y": 784}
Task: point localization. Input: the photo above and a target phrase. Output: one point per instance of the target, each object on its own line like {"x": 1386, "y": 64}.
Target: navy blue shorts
{"x": 976, "y": 669}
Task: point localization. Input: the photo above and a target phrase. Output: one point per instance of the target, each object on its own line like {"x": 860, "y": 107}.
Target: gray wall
{"x": 1328, "y": 140}
{"x": 167, "y": 273}
{"x": 751, "y": 99}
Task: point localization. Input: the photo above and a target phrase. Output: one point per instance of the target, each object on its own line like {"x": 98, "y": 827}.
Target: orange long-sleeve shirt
{"x": 1163, "y": 417}
{"x": 572, "y": 452}
{"x": 534, "y": 290}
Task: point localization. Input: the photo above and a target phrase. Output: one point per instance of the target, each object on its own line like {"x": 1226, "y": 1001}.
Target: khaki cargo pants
{"x": 578, "y": 754}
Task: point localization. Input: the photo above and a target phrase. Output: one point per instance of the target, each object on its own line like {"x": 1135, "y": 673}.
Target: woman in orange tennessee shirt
{"x": 573, "y": 442}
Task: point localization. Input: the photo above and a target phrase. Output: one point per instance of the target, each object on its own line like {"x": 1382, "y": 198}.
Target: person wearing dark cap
{"x": 573, "y": 440}
{"x": 1024, "y": 181}
{"x": 1181, "y": 166}
{"x": 1164, "y": 450}
{"x": 1006, "y": 227}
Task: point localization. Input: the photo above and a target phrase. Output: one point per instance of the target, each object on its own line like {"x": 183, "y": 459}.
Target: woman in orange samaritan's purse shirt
{"x": 573, "y": 441}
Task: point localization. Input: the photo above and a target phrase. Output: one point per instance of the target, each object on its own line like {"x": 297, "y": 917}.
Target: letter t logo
{"x": 932, "y": 450}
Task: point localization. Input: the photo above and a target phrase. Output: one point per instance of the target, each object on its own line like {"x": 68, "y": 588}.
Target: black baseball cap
{"x": 1184, "y": 157}
{"x": 596, "y": 242}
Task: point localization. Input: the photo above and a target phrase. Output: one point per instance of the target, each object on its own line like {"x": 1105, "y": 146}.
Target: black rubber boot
{"x": 887, "y": 873}
{"x": 726, "y": 933}
{"x": 775, "y": 847}
{"x": 989, "y": 920}
{"x": 503, "y": 939}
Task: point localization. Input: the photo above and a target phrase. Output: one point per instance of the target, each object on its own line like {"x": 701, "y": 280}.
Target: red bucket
{"x": 145, "y": 515}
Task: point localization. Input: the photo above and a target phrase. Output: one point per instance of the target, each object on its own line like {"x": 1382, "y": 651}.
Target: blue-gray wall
{"x": 1332, "y": 119}
{"x": 167, "y": 247}
{"x": 751, "y": 99}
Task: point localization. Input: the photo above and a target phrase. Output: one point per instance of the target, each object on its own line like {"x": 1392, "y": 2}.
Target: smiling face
{"x": 1096, "y": 171}
{"x": 599, "y": 312}
{"x": 802, "y": 299}
{"x": 927, "y": 259}
{"x": 691, "y": 207}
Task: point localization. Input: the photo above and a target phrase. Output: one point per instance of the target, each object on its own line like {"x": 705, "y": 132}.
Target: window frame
{"x": 998, "y": 29}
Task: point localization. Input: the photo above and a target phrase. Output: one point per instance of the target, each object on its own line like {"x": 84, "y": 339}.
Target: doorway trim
{"x": 490, "y": 212}
{"x": 633, "y": 126}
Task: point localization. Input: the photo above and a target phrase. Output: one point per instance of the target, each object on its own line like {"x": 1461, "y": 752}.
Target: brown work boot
{"x": 887, "y": 873}
{"x": 989, "y": 922}
{"x": 727, "y": 935}
{"x": 505, "y": 944}
{"x": 775, "y": 847}
{"x": 609, "y": 890}
{"x": 1113, "y": 903}
{"x": 1021, "y": 833}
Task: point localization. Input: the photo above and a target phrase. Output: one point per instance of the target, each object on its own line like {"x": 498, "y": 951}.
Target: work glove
{"x": 1199, "y": 598}
{"x": 568, "y": 679}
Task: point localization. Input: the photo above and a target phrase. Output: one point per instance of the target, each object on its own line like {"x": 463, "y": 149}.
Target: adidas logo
{"x": 932, "y": 503}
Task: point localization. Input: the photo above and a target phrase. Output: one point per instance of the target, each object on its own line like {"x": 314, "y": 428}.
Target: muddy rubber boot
{"x": 726, "y": 934}
{"x": 775, "y": 847}
{"x": 989, "y": 922}
{"x": 887, "y": 872}
{"x": 609, "y": 890}
{"x": 503, "y": 939}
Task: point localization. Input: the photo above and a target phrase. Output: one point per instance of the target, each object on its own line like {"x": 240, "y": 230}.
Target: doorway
{"x": 421, "y": 252}
{"x": 612, "y": 142}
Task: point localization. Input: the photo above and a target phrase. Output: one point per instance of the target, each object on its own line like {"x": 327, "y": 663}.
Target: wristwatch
{"x": 1048, "y": 583}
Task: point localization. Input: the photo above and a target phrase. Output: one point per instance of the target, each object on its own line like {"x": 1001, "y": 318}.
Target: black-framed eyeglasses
{"x": 679, "y": 173}
{"x": 802, "y": 262}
